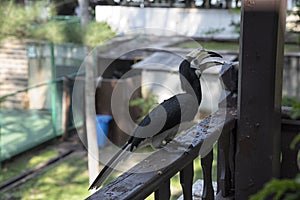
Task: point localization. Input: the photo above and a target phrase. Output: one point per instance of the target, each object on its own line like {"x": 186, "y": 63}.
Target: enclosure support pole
{"x": 66, "y": 101}
{"x": 90, "y": 114}
{"x": 257, "y": 158}
{"x": 53, "y": 89}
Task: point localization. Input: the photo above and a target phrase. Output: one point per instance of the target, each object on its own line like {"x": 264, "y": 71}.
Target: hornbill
{"x": 161, "y": 125}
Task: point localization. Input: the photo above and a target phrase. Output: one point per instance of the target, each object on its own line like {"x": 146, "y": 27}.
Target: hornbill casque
{"x": 161, "y": 125}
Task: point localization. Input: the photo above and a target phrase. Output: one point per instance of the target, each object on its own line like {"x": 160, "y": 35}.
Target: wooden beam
{"x": 259, "y": 96}
{"x": 138, "y": 183}
{"x": 92, "y": 147}
{"x": 66, "y": 101}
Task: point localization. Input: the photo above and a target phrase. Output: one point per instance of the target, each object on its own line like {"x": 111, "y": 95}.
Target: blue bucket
{"x": 102, "y": 127}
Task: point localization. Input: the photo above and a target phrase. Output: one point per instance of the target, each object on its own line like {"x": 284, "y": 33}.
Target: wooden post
{"x": 259, "y": 96}
{"x": 90, "y": 114}
{"x": 84, "y": 13}
{"x": 66, "y": 101}
{"x": 206, "y": 164}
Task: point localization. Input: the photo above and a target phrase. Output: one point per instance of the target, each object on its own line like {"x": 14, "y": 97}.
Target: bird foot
{"x": 176, "y": 147}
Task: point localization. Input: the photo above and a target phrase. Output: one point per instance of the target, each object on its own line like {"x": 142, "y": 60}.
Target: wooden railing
{"x": 290, "y": 160}
{"x": 132, "y": 185}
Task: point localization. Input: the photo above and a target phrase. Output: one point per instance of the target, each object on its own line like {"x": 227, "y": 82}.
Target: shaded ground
{"x": 23, "y": 129}
{"x": 65, "y": 179}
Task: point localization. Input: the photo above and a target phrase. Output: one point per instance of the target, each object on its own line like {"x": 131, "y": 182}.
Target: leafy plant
{"x": 50, "y": 32}
{"x": 213, "y": 31}
{"x": 236, "y": 26}
{"x": 294, "y": 103}
{"x": 22, "y": 22}
{"x": 295, "y": 141}
{"x": 16, "y": 20}
{"x": 295, "y": 111}
{"x": 288, "y": 189}
{"x": 59, "y": 32}
{"x": 96, "y": 33}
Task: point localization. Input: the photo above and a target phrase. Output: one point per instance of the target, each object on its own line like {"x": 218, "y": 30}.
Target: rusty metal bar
{"x": 186, "y": 181}
{"x": 259, "y": 95}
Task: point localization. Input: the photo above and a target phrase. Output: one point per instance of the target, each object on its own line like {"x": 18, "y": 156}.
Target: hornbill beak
{"x": 201, "y": 59}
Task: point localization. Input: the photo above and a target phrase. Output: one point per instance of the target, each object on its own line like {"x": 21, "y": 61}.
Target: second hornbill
{"x": 161, "y": 125}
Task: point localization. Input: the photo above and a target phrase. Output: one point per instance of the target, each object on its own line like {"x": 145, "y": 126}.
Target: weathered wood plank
{"x": 186, "y": 181}
{"x": 163, "y": 192}
{"x": 162, "y": 165}
{"x": 206, "y": 163}
{"x": 259, "y": 95}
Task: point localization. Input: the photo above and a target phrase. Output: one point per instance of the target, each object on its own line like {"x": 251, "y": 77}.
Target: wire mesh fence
{"x": 35, "y": 114}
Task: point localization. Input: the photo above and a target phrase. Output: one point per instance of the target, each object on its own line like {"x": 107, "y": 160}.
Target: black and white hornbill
{"x": 161, "y": 125}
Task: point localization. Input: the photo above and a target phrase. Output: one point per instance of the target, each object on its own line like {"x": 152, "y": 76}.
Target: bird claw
{"x": 176, "y": 147}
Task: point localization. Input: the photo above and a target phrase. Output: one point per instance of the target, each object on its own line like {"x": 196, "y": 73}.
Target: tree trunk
{"x": 90, "y": 114}
{"x": 84, "y": 12}
{"x": 206, "y": 4}
{"x": 93, "y": 152}
{"x": 228, "y": 4}
{"x": 66, "y": 101}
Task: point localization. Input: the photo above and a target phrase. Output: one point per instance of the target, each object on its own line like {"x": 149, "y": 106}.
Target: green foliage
{"x": 32, "y": 22}
{"x": 295, "y": 141}
{"x": 236, "y": 26}
{"x": 50, "y": 32}
{"x": 213, "y": 31}
{"x": 96, "y": 33}
{"x": 293, "y": 102}
{"x": 289, "y": 101}
{"x": 145, "y": 104}
{"x": 288, "y": 189}
{"x": 17, "y": 20}
{"x": 59, "y": 32}
{"x": 295, "y": 111}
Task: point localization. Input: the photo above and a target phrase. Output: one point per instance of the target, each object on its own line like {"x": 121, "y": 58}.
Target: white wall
{"x": 188, "y": 22}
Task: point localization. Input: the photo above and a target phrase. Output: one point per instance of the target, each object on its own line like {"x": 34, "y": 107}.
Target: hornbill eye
{"x": 198, "y": 73}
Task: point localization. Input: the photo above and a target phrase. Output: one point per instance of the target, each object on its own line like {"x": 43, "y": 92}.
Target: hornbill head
{"x": 191, "y": 68}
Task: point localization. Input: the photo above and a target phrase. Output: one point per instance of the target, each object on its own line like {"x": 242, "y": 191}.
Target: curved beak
{"x": 201, "y": 59}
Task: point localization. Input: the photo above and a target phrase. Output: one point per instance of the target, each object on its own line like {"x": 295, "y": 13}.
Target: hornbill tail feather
{"x": 110, "y": 167}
